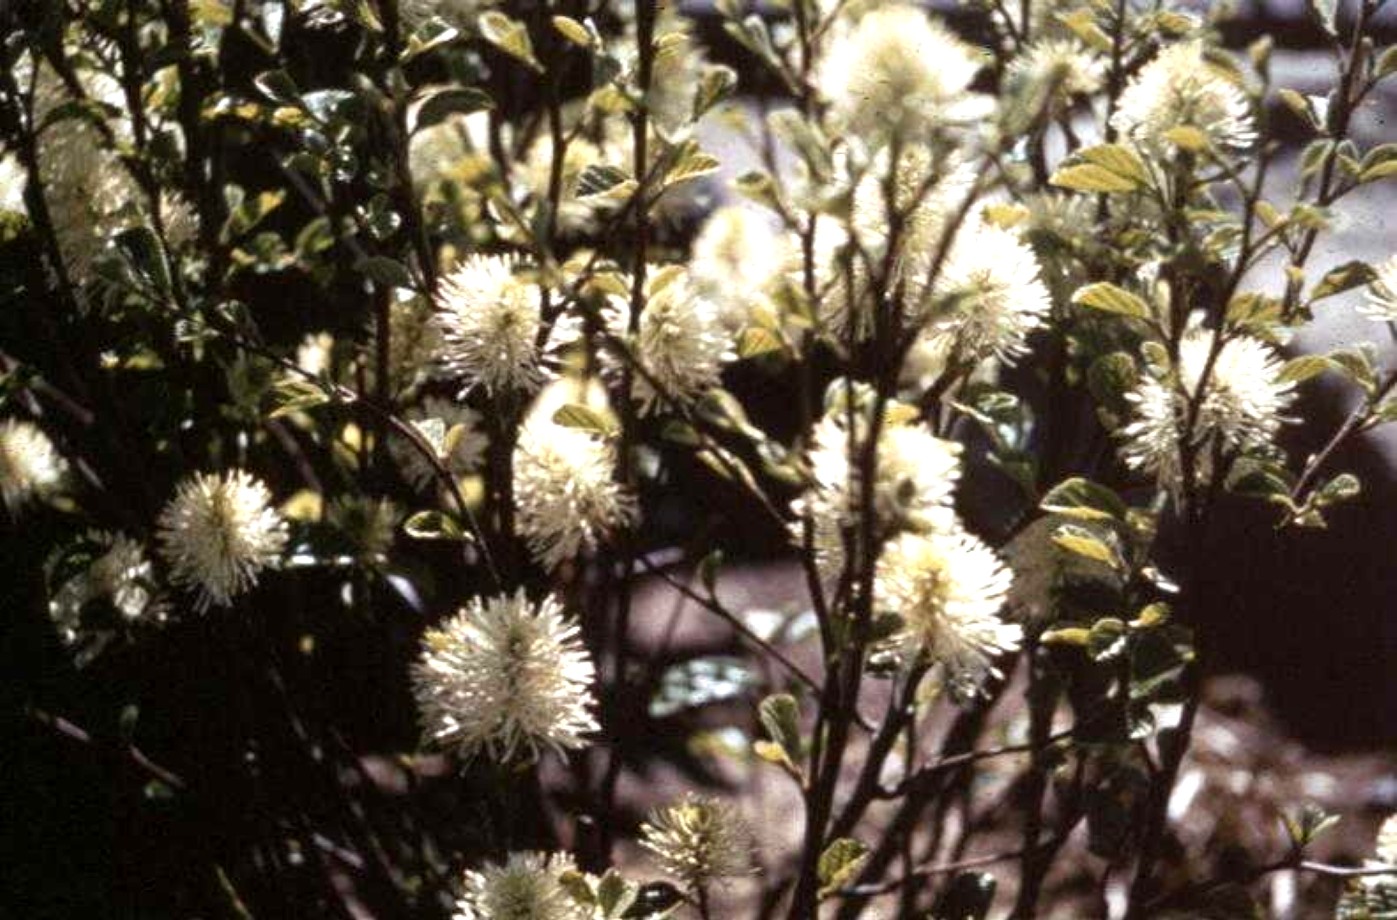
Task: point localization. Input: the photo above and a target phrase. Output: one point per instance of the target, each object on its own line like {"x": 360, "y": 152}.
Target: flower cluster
{"x": 30, "y": 466}
{"x": 1226, "y": 396}
{"x": 507, "y": 677}
{"x": 699, "y": 840}
{"x": 218, "y": 533}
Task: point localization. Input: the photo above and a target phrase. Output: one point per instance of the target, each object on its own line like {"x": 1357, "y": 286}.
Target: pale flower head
{"x": 682, "y": 343}
{"x": 30, "y": 466}
{"x": 737, "y": 257}
{"x": 948, "y": 587}
{"x": 1181, "y": 89}
{"x": 897, "y": 71}
{"x": 699, "y": 839}
{"x": 995, "y": 286}
{"x": 506, "y": 677}
{"x": 490, "y": 319}
{"x": 1380, "y": 300}
{"x": 1056, "y": 70}
{"x": 1241, "y": 410}
{"x": 218, "y": 533}
{"x": 568, "y": 499}
{"x": 527, "y": 886}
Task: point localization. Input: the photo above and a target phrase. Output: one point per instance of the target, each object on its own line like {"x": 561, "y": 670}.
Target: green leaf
{"x": 839, "y": 863}
{"x": 1387, "y": 63}
{"x": 1326, "y": 12}
{"x": 510, "y": 36}
{"x": 604, "y": 182}
{"x": 691, "y": 165}
{"x": 574, "y": 415}
{"x": 1304, "y": 367}
{"x": 278, "y": 86}
{"x": 780, "y": 716}
{"x": 1106, "y": 640}
{"x": 295, "y": 394}
{"x": 1081, "y": 498}
{"x": 757, "y": 340}
{"x": 1089, "y": 177}
{"x": 1082, "y": 542}
{"x": 1343, "y": 278}
{"x": 573, "y": 31}
{"x": 1356, "y": 363}
{"x": 434, "y": 525}
{"x": 1109, "y": 298}
{"x": 1068, "y": 635}
{"x": 384, "y": 271}
{"x": 433, "y": 104}
{"x": 1122, "y": 161}
{"x": 716, "y": 83}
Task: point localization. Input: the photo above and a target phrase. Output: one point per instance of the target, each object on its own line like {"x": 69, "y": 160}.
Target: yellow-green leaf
{"x": 1120, "y": 160}
{"x": 573, "y": 31}
{"x": 1089, "y": 177}
{"x": 1109, "y": 298}
{"x": 510, "y": 36}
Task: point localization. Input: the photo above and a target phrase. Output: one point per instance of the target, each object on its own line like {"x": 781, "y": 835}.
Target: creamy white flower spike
{"x": 998, "y": 296}
{"x": 315, "y": 353}
{"x": 505, "y": 677}
{"x": 737, "y": 256}
{"x": 948, "y": 587}
{"x": 699, "y": 839}
{"x": 1061, "y": 69}
{"x": 1242, "y": 407}
{"x": 30, "y": 466}
{"x": 1180, "y": 89}
{"x": 913, "y": 488}
{"x": 567, "y": 498}
{"x": 1380, "y": 300}
{"x": 682, "y": 342}
{"x": 897, "y": 71}
{"x": 218, "y": 533}
{"x": 490, "y": 319}
{"x": 527, "y": 886}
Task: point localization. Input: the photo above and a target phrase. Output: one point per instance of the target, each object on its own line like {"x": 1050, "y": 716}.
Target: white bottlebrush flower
{"x": 505, "y": 677}
{"x": 434, "y": 419}
{"x": 737, "y": 256}
{"x": 218, "y": 533}
{"x": 913, "y": 487}
{"x": 681, "y": 343}
{"x": 490, "y": 319}
{"x": 30, "y": 466}
{"x": 1180, "y": 88}
{"x": 1380, "y": 300}
{"x": 996, "y": 292}
{"x": 897, "y": 71}
{"x": 1242, "y": 407}
{"x": 565, "y": 489}
{"x": 1060, "y": 66}
{"x": 527, "y": 886}
{"x": 699, "y": 839}
{"x": 121, "y": 574}
{"x": 914, "y": 481}
{"x": 948, "y": 587}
